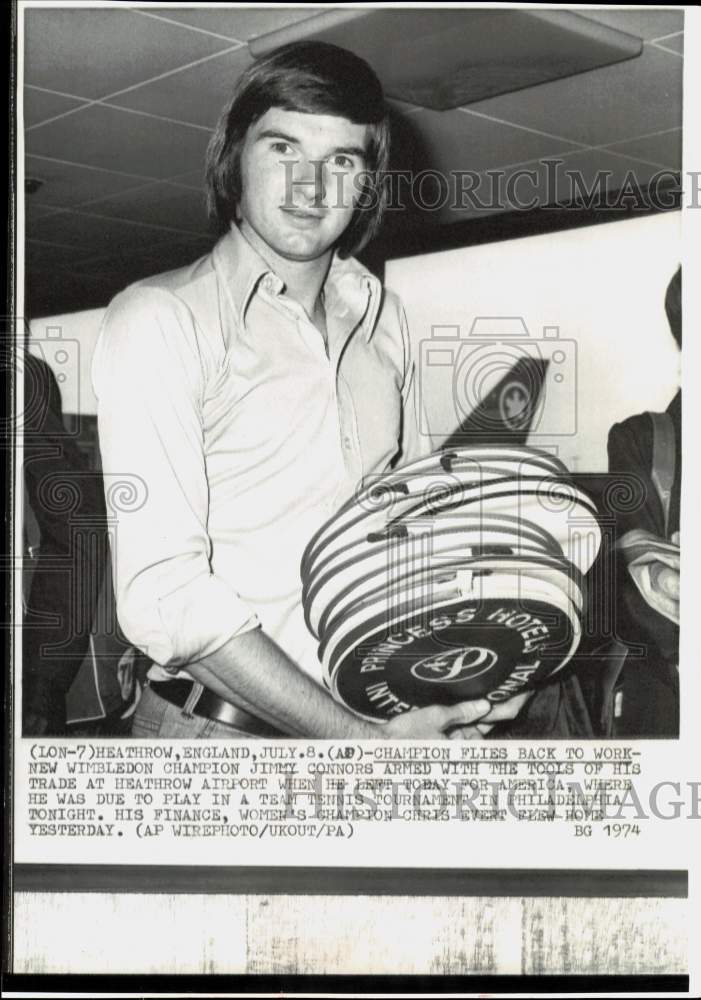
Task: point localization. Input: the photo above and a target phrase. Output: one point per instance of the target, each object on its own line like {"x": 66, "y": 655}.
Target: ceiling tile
{"x": 192, "y": 179}
{"x": 49, "y": 293}
{"x": 64, "y": 279}
{"x": 606, "y": 105}
{"x": 665, "y": 149}
{"x": 41, "y": 104}
{"x": 35, "y": 227}
{"x": 242, "y": 23}
{"x": 47, "y": 255}
{"x": 159, "y": 205}
{"x": 95, "y": 52}
{"x": 146, "y": 262}
{"x": 444, "y": 58}
{"x": 69, "y": 184}
{"x": 579, "y": 174}
{"x": 402, "y": 107}
{"x": 32, "y": 211}
{"x": 641, "y": 21}
{"x": 103, "y": 236}
{"x": 582, "y": 177}
{"x": 130, "y": 229}
{"x": 619, "y": 174}
{"x": 105, "y": 137}
{"x": 675, "y": 43}
{"x": 455, "y": 140}
{"x": 194, "y": 95}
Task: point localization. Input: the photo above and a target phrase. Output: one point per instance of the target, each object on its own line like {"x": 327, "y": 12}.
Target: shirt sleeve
{"x": 150, "y": 378}
{"x": 415, "y": 442}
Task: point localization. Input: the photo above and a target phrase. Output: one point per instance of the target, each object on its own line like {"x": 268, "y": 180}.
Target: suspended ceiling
{"x": 119, "y": 104}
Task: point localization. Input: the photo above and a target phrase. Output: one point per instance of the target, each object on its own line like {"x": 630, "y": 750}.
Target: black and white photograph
{"x": 345, "y": 532}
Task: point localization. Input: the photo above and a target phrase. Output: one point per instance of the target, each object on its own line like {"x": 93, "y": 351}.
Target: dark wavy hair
{"x": 314, "y": 78}
{"x": 673, "y": 305}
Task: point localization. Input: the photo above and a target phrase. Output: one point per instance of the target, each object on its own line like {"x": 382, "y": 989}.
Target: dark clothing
{"x": 651, "y": 681}
{"x": 65, "y": 539}
{"x": 630, "y": 446}
{"x": 559, "y": 710}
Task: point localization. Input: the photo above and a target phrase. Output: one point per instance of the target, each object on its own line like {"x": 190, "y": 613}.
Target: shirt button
{"x": 347, "y": 443}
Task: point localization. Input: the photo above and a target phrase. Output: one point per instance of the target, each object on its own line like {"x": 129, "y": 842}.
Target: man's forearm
{"x": 252, "y": 671}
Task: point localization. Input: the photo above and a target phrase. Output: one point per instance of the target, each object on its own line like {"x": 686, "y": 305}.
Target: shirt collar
{"x": 240, "y": 268}
{"x": 351, "y": 292}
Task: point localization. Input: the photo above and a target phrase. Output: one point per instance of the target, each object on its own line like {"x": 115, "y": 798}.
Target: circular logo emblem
{"x": 466, "y": 664}
{"x": 515, "y": 405}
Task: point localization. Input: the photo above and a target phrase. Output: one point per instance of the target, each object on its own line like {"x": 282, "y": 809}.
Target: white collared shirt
{"x": 216, "y": 390}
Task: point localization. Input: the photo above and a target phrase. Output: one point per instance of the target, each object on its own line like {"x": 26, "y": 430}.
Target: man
{"x": 65, "y": 539}
{"x": 649, "y": 445}
{"x": 253, "y": 392}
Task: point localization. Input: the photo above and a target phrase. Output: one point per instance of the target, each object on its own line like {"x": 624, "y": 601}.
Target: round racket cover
{"x": 454, "y": 651}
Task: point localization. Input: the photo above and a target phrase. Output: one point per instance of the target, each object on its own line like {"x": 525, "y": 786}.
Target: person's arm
{"x": 629, "y": 446}
{"x": 265, "y": 681}
{"x": 62, "y": 495}
{"x": 150, "y": 373}
{"x": 653, "y": 565}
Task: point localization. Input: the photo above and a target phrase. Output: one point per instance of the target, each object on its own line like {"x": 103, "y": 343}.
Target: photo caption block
{"x": 523, "y": 805}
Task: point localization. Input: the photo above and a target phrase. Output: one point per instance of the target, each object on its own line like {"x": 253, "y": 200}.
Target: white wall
{"x": 603, "y": 286}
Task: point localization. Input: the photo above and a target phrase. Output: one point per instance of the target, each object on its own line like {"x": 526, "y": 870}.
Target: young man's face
{"x": 300, "y": 181}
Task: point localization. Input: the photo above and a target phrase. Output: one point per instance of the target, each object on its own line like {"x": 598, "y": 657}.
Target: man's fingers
{"x": 455, "y": 722}
{"x": 508, "y": 709}
{"x": 669, "y": 559}
{"x": 655, "y": 599}
{"x": 465, "y": 713}
{"x": 652, "y": 555}
{"x": 466, "y": 733}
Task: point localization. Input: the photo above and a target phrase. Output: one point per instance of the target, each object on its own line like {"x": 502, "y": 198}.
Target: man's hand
{"x": 665, "y": 578}
{"x": 432, "y": 722}
{"x": 653, "y": 565}
{"x": 503, "y": 712}
{"x": 253, "y": 672}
